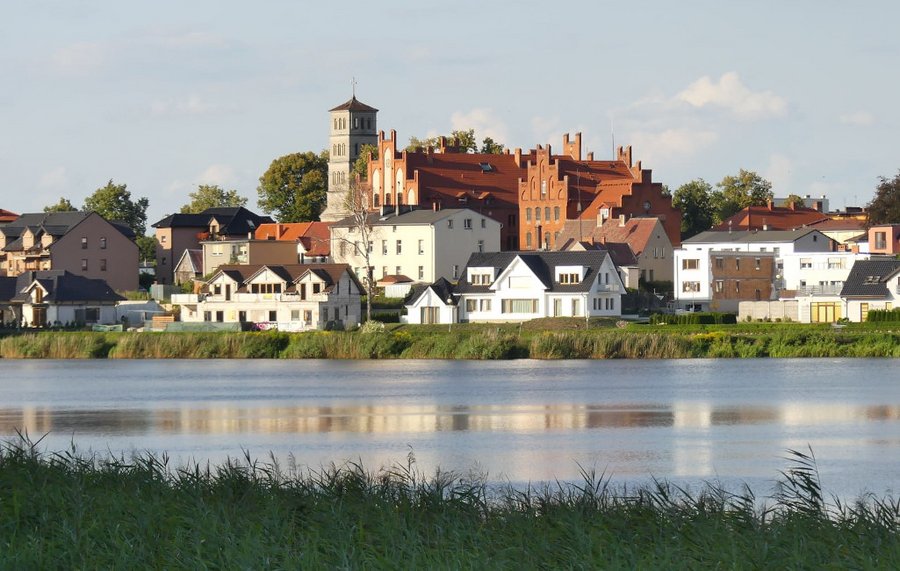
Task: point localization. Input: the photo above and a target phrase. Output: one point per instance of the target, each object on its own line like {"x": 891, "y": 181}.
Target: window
{"x": 511, "y": 220}
{"x": 720, "y": 263}
{"x": 547, "y": 213}
{"x": 398, "y": 270}
{"x": 719, "y": 286}
{"x": 571, "y": 278}
{"x": 484, "y": 223}
{"x": 690, "y": 287}
{"x": 84, "y": 264}
{"x": 690, "y": 264}
{"x": 527, "y": 215}
{"x": 421, "y": 272}
{"x": 265, "y": 288}
{"x": 450, "y": 224}
{"x": 519, "y": 306}
{"x": 455, "y": 272}
{"x": 162, "y": 239}
{"x": 610, "y": 303}
{"x": 383, "y": 271}
{"x": 737, "y": 286}
{"x": 307, "y": 316}
{"x": 84, "y": 242}
{"x": 467, "y": 223}
{"x": 103, "y": 243}
{"x": 556, "y": 213}
{"x": 273, "y": 315}
{"x": 317, "y": 288}
{"x": 543, "y": 189}
{"x": 806, "y": 263}
{"x": 295, "y": 315}
{"x": 528, "y": 239}
{"x": 399, "y": 247}
{"x": 421, "y": 247}
{"x": 737, "y": 263}
{"x": 481, "y": 279}
{"x": 103, "y": 265}
{"x": 880, "y": 240}
{"x": 537, "y": 214}
{"x": 91, "y": 314}
{"x": 480, "y": 246}
{"x": 324, "y": 314}
{"x": 757, "y": 263}
{"x": 384, "y": 247}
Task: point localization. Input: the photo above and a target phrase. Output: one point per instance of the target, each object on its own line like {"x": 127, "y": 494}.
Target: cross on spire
{"x": 353, "y": 86}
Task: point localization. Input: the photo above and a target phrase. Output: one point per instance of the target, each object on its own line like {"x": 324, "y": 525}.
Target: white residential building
{"x": 423, "y": 245}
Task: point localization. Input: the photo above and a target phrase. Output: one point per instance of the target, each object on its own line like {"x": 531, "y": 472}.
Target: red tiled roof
{"x": 838, "y": 224}
{"x": 460, "y": 174}
{"x": 315, "y": 236}
{"x": 774, "y": 218}
{"x": 7, "y": 216}
{"x": 636, "y": 232}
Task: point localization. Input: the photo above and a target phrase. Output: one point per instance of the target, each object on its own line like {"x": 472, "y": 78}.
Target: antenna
{"x": 353, "y": 86}
{"x": 612, "y": 134}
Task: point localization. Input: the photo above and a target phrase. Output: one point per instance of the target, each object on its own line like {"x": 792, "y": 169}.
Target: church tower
{"x": 353, "y": 125}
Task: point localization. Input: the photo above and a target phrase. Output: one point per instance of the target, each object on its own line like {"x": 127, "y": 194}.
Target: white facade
{"x": 430, "y": 308}
{"x": 817, "y": 273}
{"x": 422, "y": 245}
{"x": 518, "y": 294}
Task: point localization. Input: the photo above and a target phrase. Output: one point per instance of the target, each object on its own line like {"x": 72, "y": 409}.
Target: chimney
{"x": 769, "y": 204}
{"x": 590, "y": 156}
{"x": 434, "y": 206}
{"x": 518, "y": 155}
{"x": 621, "y": 220}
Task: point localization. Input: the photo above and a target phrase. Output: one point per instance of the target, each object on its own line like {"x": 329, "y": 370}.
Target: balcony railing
{"x": 820, "y": 289}
{"x": 607, "y": 287}
{"x": 185, "y": 298}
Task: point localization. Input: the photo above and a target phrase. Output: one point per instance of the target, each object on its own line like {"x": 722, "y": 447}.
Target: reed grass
{"x": 65, "y": 510}
{"x": 482, "y": 342}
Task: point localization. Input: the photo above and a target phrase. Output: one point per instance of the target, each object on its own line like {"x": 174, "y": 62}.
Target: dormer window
{"x": 569, "y": 278}
{"x": 569, "y": 274}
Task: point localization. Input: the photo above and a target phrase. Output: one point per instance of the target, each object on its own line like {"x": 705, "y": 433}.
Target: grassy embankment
{"x": 67, "y": 511}
{"x": 541, "y": 339}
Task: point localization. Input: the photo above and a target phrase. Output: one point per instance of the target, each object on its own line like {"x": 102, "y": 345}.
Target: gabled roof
{"x": 772, "y": 217}
{"x": 7, "y": 216}
{"x": 55, "y": 224}
{"x": 441, "y": 288}
{"x": 314, "y": 236}
{"x": 290, "y": 273}
{"x": 408, "y": 216}
{"x": 7, "y": 288}
{"x": 353, "y": 104}
{"x": 64, "y": 287}
{"x": 868, "y": 278}
{"x": 542, "y": 264}
{"x": 232, "y": 220}
{"x": 636, "y": 232}
{"x": 194, "y": 259}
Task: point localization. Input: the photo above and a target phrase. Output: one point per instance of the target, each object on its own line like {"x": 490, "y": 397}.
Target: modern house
{"x": 81, "y": 243}
{"x": 519, "y": 286}
{"x": 884, "y": 239}
{"x": 246, "y": 251}
{"x": 645, "y": 236}
{"x": 291, "y": 297}
{"x": 872, "y": 284}
{"x": 422, "y": 244}
{"x": 432, "y": 303}
{"x": 58, "y": 297}
{"x": 179, "y": 232}
{"x": 313, "y": 239}
{"x": 705, "y": 261}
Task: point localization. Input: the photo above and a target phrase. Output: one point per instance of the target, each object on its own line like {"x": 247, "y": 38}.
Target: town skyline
{"x": 164, "y": 100}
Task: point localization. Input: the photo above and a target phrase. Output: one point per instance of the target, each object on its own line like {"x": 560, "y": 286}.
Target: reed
{"x": 65, "y": 510}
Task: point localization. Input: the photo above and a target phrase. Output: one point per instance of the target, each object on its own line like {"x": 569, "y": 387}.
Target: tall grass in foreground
{"x": 63, "y": 510}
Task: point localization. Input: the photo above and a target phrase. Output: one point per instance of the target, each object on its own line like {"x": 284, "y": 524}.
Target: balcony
{"x": 187, "y": 298}
{"x": 608, "y": 287}
{"x": 830, "y": 289}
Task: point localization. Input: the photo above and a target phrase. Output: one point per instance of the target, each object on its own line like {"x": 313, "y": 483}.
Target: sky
{"x": 167, "y": 95}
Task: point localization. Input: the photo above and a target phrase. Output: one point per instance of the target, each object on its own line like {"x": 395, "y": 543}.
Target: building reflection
{"x": 225, "y": 419}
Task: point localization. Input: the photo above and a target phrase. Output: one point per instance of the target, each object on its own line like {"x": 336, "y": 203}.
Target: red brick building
{"x": 531, "y": 194}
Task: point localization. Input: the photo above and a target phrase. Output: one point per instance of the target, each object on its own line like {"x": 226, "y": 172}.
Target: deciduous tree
{"x": 361, "y": 237}
{"x": 212, "y": 196}
{"x": 734, "y": 193}
{"x": 885, "y": 207}
{"x": 488, "y": 146}
{"x": 361, "y": 166}
{"x": 294, "y": 187}
{"x": 694, "y": 199}
{"x": 64, "y": 205}
{"x": 114, "y": 202}
{"x": 794, "y": 199}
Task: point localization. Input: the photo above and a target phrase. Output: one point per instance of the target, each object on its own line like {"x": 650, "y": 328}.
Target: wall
{"x": 120, "y": 254}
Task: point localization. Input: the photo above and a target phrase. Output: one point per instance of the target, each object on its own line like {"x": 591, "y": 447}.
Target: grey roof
{"x": 54, "y": 223}
{"x": 63, "y": 287}
{"x": 442, "y": 289}
{"x": 868, "y": 278}
{"x": 291, "y": 273}
{"x": 406, "y": 217}
{"x": 232, "y": 220}
{"x": 750, "y": 236}
{"x": 7, "y": 288}
{"x": 353, "y": 104}
{"x": 543, "y": 264}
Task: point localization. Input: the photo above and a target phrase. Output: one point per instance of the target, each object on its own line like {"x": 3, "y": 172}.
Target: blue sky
{"x": 167, "y": 95}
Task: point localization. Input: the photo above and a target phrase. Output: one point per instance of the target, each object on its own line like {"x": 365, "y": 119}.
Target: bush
{"x": 884, "y": 315}
{"x": 694, "y": 318}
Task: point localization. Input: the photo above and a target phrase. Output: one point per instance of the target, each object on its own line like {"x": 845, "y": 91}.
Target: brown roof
{"x": 330, "y": 273}
{"x": 315, "y": 236}
{"x": 7, "y": 216}
{"x": 636, "y": 232}
{"x": 353, "y": 105}
{"x": 772, "y": 217}
{"x": 839, "y": 224}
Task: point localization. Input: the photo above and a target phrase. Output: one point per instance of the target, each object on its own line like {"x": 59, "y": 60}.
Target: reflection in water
{"x": 372, "y": 419}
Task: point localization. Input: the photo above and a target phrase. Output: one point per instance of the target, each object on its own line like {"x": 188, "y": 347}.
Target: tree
{"x": 795, "y": 200}
{"x": 738, "y": 192}
{"x": 489, "y": 147}
{"x": 212, "y": 196}
{"x": 885, "y": 207}
{"x": 694, "y": 199}
{"x": 114, "y": 202}
{"x": 294, "y": 187}
{"x": 465, "y": 140}
{"x": 64, "y": 205}
{"x": 417, "y": 143}
{"x": 361, "y": 237}
{"x": 361, "y": 166}
{"x": 147, "y": 248}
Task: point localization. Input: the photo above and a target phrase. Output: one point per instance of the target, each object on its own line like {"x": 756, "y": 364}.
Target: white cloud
{"x": 79, "y": 58}
{"x": 730, "y": 93}
{"x": 54, "y": 179}
{"x": 222, "y": 175}
{"x": 858, "y": 118}
{"x": 485, "y": 123}
{"x": 546, "y": 129}
{"x": 190, "y": 105}
{"x": 779, "y": 173}
{"x": 654, "y": 147}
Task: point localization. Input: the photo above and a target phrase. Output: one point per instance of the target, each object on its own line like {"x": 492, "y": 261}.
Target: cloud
{"x": 80, "y": 58}
{"x": 54, "y": 179}
{"x": 858, "y": 119}
{"x": 779, "y": 173}
{"x": 186, "y": 106}
{"x": 655, "y": 147}
{"x": 730, "y": 93}
{"x": 546, "y": 129}
{"x": 483, "y": 120}
{"x": 222, "y": 175}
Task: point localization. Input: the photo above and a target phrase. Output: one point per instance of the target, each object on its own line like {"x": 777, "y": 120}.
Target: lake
{"x": 520, "y": 421}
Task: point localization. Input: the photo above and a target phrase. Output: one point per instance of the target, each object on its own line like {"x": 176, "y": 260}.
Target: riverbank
{"x": 63, "y": 510}
{"x": 535, "y": 341}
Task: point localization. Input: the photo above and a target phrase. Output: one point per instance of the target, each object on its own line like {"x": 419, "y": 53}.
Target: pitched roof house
{"x": 58, "y": 297}
{"x": 292, "y": 297}
{"x": 313, "y": 239}
{"x": 83, "y": 243}
{"x": 872, "y": 284}
{"x": 518, "y": 286}
{"x": 772, "y": 217}
{"x": 6, "y": 216}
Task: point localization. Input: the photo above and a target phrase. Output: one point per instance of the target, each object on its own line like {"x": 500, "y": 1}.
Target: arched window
{"x": 556, "y": 213}
{"x": 399, "y": 198}
{"x": 528, "y": 239}
{"x": 410, "y": 197}
{"x": 547, "y": 213}
{"x": 375, "y": 200}
{"x": 537, "y": 214}
{"x": 335, "y": 124}
{"x": 387, "y": 199}
{"x": 527, "y": 215}
{"x": 356, "y": 122}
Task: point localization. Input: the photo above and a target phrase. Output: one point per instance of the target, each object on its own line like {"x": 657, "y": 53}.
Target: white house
{"x": 518, "y": 286}
{"x": 423, "y": 244}
{"x": 872, "y": 284}
{"x": 693, "y": 269}
{"x": 293, "y": 297}
{"x": 58, "y": 297}
{"x": 433, "y": 303}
